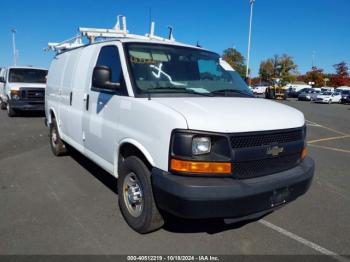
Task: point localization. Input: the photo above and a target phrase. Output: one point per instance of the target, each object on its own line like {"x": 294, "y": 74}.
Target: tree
{"x": 341, "y": 78}
{"x": 236, "y": 60}
{"x": 278, "y": 67}
{"x": 266, "y": 70}
{"x": 315, "y": 75}
{"x": 287, "y": 68}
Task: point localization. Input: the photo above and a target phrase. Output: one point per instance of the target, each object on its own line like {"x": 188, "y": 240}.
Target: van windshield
{"x": 23, "y": 75}
{"x": 166, "y": 69}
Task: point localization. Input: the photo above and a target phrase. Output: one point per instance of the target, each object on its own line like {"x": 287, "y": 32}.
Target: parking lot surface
{"x": 68, "y": 205}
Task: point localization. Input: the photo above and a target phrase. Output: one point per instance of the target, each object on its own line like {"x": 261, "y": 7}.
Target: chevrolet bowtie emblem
{"x": 275, "y": 150}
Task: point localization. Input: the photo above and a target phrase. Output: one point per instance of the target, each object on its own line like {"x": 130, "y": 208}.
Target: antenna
{"x": 171, "y": 37}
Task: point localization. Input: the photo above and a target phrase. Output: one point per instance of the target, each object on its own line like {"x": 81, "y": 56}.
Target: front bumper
{"x": 345, "y": 100}
{"x": 207, "y": 197}
{"x": 27, "y": 105}
{"x": 321, "y": 101}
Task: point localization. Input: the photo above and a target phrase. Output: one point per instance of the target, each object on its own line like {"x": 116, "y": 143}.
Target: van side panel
{"x": 54, "y": 86}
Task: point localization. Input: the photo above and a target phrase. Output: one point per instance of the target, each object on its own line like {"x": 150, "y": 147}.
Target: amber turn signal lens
{"x": 200, "y": 167}
{"x": 304, "y": 153}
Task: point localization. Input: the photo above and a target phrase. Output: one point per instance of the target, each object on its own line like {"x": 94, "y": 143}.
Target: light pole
{"x": 250, "y": 34}
{"x": 14, "y": 31}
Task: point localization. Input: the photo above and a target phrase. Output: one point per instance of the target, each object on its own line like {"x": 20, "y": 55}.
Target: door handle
{"x": 87, "y": 102}
{"x": 70, "y": 98}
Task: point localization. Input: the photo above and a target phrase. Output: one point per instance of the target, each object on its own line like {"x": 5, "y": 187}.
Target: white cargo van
{"x": 22, "y": 89}
{"x": 177, "y": 127}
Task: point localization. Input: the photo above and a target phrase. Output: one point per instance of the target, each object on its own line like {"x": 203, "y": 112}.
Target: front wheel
{"x": 136, "y": 198}
{"x": 2, "y": 105}
{"x": 10, "y": 111}
{"x": 329, "y": 101}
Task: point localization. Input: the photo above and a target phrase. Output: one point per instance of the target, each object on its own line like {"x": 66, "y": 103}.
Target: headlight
{"x": 200, "y": 153}
{"x": 201, "y": 145}
{"x": 15, "y": 94}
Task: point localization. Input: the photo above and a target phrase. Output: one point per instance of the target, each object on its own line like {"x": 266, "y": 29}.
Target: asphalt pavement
{"x": 68, "y": 205}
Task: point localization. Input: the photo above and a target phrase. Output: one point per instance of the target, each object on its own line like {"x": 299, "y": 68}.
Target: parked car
{"x": 327, "y": 89}
{"x": 304, "y": 90}
{"x": 345, "y": 97}
{"x": 294, "y": 90}
{"x": 314, "y": 94}
{"x": 328, "y": 97}
{"x": 178, "y": 130}
{"x": 343, "y": 88}
{"x": 23, "y": 89}
{"x": 306, "y": 95}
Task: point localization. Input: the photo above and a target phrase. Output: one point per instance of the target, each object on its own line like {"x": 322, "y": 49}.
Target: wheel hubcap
{"x": 133, "y": 196}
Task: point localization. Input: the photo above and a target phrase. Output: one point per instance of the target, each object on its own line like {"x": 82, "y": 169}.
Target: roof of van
{"x": 145, "y": 40}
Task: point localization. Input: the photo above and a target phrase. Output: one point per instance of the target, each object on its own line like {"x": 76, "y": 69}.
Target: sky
{"x": 299, "y": 28}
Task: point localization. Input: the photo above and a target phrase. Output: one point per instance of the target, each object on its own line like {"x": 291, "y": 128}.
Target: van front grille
{"x": 33, "y": 94}
{"x": 257, "y": 140}
{"x": 263, "y": 167}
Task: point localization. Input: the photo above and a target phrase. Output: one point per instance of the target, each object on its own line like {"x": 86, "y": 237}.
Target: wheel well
{"x": 128, "y": 149}
{"x": 52, "y": 115}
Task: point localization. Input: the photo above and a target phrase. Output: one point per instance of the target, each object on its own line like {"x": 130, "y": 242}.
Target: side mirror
{"x": 2, "y": 79}
{"x": 101, "y": 78}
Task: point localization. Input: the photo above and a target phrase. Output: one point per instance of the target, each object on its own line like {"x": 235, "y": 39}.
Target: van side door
{"x": 101, "y": 112}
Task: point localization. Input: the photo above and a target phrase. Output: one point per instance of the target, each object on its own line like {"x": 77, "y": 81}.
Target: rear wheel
{"x": 10, "y": 111}
{"x": 58, "y": 147}
{"x": 136, "y": 198}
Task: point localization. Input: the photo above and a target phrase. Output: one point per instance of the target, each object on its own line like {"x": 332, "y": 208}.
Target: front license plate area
{"x": 280, "y": 197}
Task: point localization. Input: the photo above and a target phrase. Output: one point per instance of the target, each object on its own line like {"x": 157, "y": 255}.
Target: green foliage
{"x": 236, "y": 60}
{"x": 278, "y": 67}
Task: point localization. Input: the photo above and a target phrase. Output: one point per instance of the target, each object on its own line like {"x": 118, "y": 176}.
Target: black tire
{"x": 58, "y": 147}
{"x": 2, "y": 105}
{"x": 149, "y": 218}
{"x": 10, "y": 111}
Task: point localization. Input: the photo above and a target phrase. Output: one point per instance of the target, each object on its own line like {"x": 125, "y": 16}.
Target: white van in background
{"x": 176, "y": 126}
{"x": 23, "y": 89}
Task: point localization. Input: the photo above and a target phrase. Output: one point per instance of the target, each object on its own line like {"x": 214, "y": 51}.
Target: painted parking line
{"x": 327, "y": 139}
{"x": 304, "y": 241}
{"x": 310, "y": 123}
{"x": 331, "y": 148}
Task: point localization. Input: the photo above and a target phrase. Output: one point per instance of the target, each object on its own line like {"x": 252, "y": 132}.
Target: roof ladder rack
{"x": 118, "y": 31}
{"x": 67, "y": 44}
{"x": 93, "y": 33}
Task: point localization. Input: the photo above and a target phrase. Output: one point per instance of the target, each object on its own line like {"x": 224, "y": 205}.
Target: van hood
{"x": 233, "y": 114}
{"x": 17, "y": 86}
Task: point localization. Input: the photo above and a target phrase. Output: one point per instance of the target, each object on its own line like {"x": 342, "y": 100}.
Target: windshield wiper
{"x": 230, "y": 91}
{"x": 171, "y": 89}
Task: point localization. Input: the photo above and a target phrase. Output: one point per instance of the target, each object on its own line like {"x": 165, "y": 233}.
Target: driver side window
{"x": 109, "y": 56}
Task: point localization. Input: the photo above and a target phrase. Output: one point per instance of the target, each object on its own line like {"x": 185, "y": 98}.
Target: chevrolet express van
{"x": 178, "y": 127}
